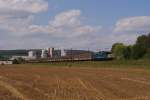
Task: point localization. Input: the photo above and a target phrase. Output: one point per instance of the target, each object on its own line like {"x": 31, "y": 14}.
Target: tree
{"x": 118, "y": 50}
{"x": 142, "y": 47}
{"x": 18, "y": 61}
{"x": 147, "y": 55}
{"x": 138, "y": 51}
{"x": 114, "y": 46}
{"x": 127, "y": 52}
{"x": 144, "y": 41}
{"x": 15, "y": 61}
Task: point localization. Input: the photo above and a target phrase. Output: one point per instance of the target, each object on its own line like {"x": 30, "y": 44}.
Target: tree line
{"x": 140, "y": 50}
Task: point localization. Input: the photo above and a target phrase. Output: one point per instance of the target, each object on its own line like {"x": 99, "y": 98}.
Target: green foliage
{"x": 15, "y": 61}
{"x": 127, "y": 52}
{"x": 118, "y": 50}
{"x": 144, "y": 41}
{"x": 138, "y": 51}
{"x": 144, "y": 63}
{"x": 141, "y": 49}
{"x": 21, "y": 60}
{"x": 18, "y": 61}
{"x": 114, "y": 46}
{"x": 147, "y": 56}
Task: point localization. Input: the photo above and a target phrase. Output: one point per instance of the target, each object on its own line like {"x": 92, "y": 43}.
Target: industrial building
{"x": 44, "y": 54}
{"x": 50, "y": 53}
{"x": 32, "y": 54}
{"x": 53, "y": 54}
{"x": 63, "y": 53}
{"x": 6, "y": 62}
{"x": 17, "y": 57}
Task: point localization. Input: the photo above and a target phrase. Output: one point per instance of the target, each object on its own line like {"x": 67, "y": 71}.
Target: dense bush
{"x": 15, "y": 61}
{"x": 18, "y": 61}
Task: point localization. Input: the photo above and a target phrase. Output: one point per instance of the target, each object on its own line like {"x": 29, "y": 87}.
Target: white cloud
{"x": 88, "y": 29}
{"x": 31, "y": 6}
{"x": 69, "y": 24}
{"x": 16, "y": 24}
{"x": 16, "y": 16}
{"x": 67, "y": 19}
{"x": 66, "y": 29}
{"x": 133, "y": 24}
{"x": 66, "y": 24}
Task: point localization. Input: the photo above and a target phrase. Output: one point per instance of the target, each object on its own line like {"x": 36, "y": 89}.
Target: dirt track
{"x": 73, "y": 84}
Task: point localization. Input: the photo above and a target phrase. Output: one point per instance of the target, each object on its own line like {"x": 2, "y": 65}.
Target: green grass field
{"x": 100, "y": 64}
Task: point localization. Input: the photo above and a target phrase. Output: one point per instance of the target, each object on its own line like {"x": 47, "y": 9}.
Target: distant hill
{"x": 16, "y": 52}
{"x": 24, "y": 52}
{"x": 7, "y": 54}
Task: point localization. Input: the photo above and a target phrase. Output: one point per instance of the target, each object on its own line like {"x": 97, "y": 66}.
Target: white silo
{"x": 32, "y": 54}
{"x": 63, "y": 53}
{"x": 50, "y": 52}
{"x": 44, "y": 53}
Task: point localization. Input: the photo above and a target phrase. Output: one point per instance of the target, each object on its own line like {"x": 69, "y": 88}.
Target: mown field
{"x": 123, "y": 80}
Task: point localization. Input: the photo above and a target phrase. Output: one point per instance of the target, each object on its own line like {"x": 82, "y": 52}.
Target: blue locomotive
{"x": 102, "y": 55}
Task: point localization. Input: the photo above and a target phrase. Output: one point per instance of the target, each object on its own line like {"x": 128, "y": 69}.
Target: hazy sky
{"x": 78, "y": 24}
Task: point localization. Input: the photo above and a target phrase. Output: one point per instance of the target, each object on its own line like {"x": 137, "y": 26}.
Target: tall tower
{"x": 63, "y": 53}
{"x": 44, "y": 53}
{"x": 32, "y": 54}
{"x": 50, "y": 52}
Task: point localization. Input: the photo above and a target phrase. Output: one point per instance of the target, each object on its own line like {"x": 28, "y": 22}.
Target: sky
{"x": 76, "y": 24}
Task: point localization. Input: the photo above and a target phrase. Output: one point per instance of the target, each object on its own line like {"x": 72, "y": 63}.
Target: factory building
{"x": 56, "y": 53}
{"x": 32, "y": 54}
{"x": 63, "y": 53}
{"x": 53, "y": 54}
{"x": 50, "y": 52}
{"x": 44, "y": 54}
{"x": 18, "y": 57}
{"x": 6, "y": 62}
